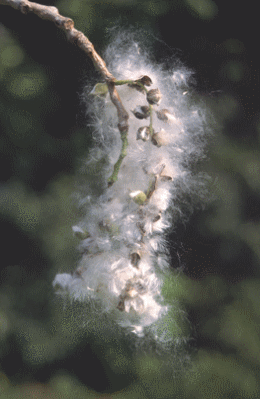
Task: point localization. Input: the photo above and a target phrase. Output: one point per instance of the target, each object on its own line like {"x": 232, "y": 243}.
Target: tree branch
{"x": 73, "y": 35}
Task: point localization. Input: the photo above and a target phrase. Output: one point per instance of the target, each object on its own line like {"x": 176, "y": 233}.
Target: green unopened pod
{"x": 139, "y": 197}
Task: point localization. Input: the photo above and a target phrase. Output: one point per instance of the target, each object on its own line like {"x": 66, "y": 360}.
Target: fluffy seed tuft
{"x": 124, "y": 253}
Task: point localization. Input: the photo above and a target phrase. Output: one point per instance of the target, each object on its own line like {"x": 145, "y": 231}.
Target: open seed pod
{"x": 141, "y": 112}
{"x": 143, "y": 133}
{"x": 154, "y": 96}
{"x": 135, "y": 258}
{"x": 159, "y": 138}
{"x": 142, "y": 81}
{"x": 165, "y": 116}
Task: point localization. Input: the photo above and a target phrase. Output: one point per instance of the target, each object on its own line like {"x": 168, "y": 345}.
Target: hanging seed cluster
{"x": 124, "y": 256}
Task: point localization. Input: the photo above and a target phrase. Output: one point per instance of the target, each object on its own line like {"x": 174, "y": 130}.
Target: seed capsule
{"x": 158, "y": 138}
{"x": 165, "y": 116}
{"x": 143, "y": 133}
{"x": 141, "y": 112}
{"x": 145, "y": 80}
{"x": 80, "y": 233}
{"x": 166, "y": 178}
{"x": 139, "y": 197}
{"x": 121, "y": 304}
{"x": 99, "y": 90}
{"x": 135, "y": 259}
{"x": 156, "y": 218}
{"x": 141, "y": 227}
{"x": 154, "y": 96}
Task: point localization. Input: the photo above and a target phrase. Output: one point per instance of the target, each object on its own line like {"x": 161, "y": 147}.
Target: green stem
{"x": 152, "y": 182}
{"x": 151, "y": 186}
{"x": 123, "y": 82}
{"x": 113, "y": 178}
{"x": 151, "y": 120}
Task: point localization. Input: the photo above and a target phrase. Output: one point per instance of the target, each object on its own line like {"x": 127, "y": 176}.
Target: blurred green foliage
{"x": 53, "y": 350}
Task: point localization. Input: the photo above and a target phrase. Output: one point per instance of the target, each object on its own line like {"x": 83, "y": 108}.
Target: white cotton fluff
{"x": 124, "y": 253}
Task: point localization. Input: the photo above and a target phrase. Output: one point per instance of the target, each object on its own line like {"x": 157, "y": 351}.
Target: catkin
{"x": 122, "y": 236}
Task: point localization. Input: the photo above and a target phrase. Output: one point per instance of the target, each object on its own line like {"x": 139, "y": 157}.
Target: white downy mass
{"x": 122, "y": 235}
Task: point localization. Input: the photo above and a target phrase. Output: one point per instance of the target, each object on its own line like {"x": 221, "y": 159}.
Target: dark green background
{"x": 43, "y": 140}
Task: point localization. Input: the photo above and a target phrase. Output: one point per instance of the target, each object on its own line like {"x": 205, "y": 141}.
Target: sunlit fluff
{"x": 124, "y": 254}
